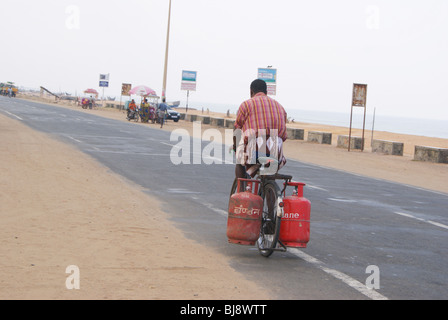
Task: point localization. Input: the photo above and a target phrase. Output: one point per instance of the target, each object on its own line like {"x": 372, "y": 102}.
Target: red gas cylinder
{"x": 245, "y": 210}
{"x": 295, "y": 225}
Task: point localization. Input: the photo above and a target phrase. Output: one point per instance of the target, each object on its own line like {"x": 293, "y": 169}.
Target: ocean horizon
{"x": 434, "y": 128}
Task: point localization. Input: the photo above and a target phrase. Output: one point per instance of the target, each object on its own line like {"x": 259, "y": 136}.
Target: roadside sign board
{"x": 104, "y": 80}
{"x": 359, "y": 99}
{"x": 125, "y": 88}
{"x": 270, "y": 77}
{"x": 188, "y": 86}
{"x": 359, "y": 95}
{"x": 189, "y": 80}
{"x": 189, "y": 76}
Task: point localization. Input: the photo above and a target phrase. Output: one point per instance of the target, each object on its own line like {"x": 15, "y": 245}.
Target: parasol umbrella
{"x": 91, "y": 91}
{"x": 142, "y": 91}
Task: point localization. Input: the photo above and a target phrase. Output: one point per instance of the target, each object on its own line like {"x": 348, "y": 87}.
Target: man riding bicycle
{"x": 260, "y": 130}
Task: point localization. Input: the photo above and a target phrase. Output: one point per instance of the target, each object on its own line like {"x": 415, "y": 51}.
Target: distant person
{"x": 10, "y": 92}
{"x": 264, "y": 115}
{"x": 132, "y": 108}
{"x": 163, "y": 107}
{"x": 152, "y": 113}
{"x": 144, "y": 112}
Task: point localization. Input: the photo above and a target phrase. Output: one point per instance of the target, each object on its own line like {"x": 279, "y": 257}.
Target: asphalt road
{"x": 356, "y": 222}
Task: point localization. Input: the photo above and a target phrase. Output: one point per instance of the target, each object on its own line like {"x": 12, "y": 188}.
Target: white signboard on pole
{"x": 270, "y": 77}
{"x": 104, "y": 80}
{"x": 189, "y": 80}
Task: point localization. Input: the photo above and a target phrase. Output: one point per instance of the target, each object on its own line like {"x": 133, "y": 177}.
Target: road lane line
{"x": 12, "y": 114}
{"x": 343, "y": 200}
{"x": 74, "y": 139}
{"x": 407, "y": 215}
{"x": 353, "y": 283}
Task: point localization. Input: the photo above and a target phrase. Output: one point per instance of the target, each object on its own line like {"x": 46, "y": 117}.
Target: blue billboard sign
{"x": 268, "y": 75}
{"x": 189, "y": 76}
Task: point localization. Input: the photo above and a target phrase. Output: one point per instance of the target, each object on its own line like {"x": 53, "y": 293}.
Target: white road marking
{"x": 169, "y": 144}
{"x": 212, "y": 207}
{"x": 317, "y": 188}
{"x": 353, "y": 283}
{"x": 342, "y": 200}
{"x": 12, "y": 114}
{"x": 128, "y": 153}
{"x": 74, "y": 139}
{"x": 182, "y": 191}
{"x": 407, "y": 215}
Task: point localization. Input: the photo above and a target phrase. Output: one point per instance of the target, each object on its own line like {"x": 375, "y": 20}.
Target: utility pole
{"x": 166, "y": 54}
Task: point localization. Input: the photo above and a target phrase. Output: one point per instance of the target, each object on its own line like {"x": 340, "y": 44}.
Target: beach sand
{"x": 58, "y": 207}
{"x": 56, "y": 213}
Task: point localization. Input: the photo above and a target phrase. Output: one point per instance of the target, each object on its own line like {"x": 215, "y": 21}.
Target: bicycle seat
{"x": 267, "y": 165}
{"x": 267, "y": 161}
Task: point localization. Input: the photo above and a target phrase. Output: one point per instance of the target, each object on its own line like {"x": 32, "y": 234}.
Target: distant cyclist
{"x": 261, "y": 122}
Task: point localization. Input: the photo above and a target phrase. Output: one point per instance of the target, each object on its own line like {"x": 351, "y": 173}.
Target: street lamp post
{"x": 166, "y": 54}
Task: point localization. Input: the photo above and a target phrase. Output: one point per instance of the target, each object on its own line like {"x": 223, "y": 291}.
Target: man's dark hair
{"x": 259, "y": 86}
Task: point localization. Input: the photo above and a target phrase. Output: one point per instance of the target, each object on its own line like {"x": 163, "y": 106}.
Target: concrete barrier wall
{"x": 431, "y": 154}
{"x": 191, "y": 117}
{"x": 230, "y": 123}
{"x": 319, "y": 137}
{"x": 355, "y": 144}
{"x": 295, "y": 134}
{"x": 388, "y": 147}
{"x": 217, "y": 122}
{"x": 203, "y": 119}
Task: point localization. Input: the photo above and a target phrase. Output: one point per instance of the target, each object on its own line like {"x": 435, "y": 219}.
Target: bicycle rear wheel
{"x": 270, "y": 224}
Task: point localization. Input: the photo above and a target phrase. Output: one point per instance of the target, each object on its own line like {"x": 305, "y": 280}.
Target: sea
{"x": 435, "y": 128}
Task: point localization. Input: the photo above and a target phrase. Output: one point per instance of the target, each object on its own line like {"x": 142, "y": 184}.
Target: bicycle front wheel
{"x": 270, "y": 224}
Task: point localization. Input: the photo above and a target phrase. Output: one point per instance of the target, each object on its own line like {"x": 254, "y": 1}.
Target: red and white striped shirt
{"x": 262, "y": 112}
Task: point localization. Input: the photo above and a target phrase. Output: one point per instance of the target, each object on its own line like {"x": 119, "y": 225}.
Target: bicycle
{"x": 270, "y": 192}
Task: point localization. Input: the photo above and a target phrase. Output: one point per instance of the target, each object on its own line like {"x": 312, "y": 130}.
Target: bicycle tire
{"x": 270, "y": 225}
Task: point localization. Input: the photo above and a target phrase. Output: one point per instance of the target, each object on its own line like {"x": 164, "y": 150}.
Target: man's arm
{"x": 239, "y": 123}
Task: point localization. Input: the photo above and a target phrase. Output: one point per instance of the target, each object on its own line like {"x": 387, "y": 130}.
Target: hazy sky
{"x": 320, "y": 48}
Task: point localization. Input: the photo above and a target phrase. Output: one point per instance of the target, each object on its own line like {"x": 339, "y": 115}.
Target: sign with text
{"x": 189, "y": 80}
{"x": 359, "y": 99}
{"x": 268, "y": 75}
{"x": 359, "y": 95}
{"x": 104, "y": 80}
{"x": 189, "y": 76}
{"x": 272, "y": 90}
{"x": 188, "y": 86}
{"x": 125, "y": 88}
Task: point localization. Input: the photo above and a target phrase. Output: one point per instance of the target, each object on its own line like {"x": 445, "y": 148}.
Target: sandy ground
{"x": 56, "y": 213}
{"x": 58, "y": 208}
